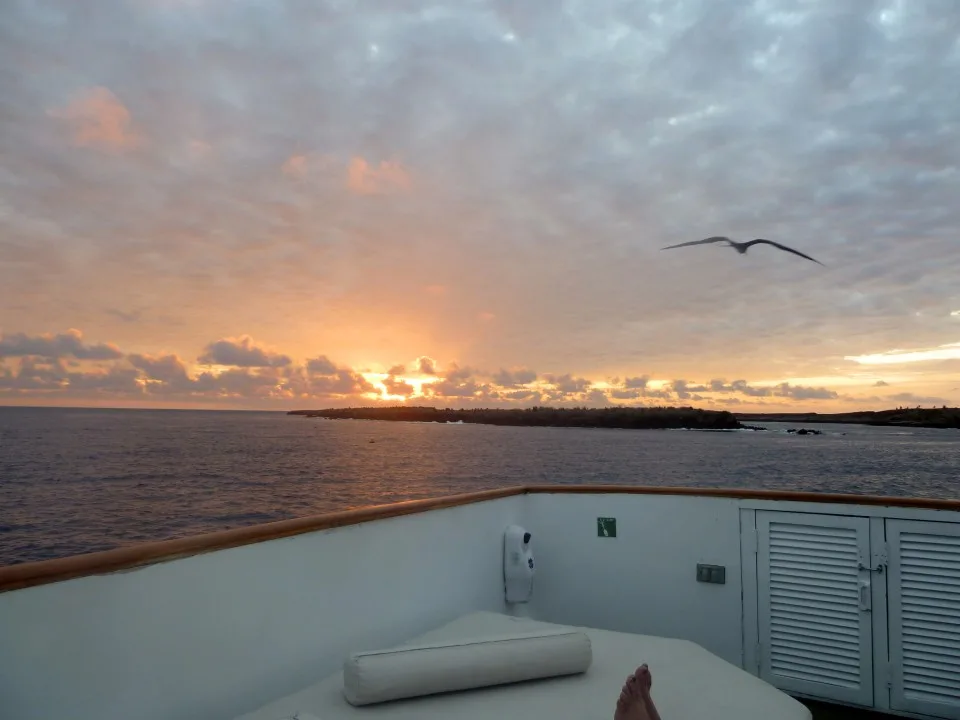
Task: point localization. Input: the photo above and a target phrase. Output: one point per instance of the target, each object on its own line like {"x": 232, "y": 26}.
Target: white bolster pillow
{"x": 414, "y": 670}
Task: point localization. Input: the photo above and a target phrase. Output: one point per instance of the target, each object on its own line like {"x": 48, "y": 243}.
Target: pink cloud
{"x": 387, "y": 177}
{"x": 97, "y": 117}
{"x": 295, "y": 166}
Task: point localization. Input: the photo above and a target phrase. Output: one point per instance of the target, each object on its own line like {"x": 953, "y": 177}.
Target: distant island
{"x": 942, "y": 417}
{"x": 659, "y": 418}
{"x": 646, "y": 418}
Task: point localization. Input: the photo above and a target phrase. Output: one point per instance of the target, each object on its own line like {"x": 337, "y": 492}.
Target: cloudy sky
{"x": 310, "y": 203}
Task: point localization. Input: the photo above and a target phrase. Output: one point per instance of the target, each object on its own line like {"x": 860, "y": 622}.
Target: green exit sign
{"x": 606, "y": 527}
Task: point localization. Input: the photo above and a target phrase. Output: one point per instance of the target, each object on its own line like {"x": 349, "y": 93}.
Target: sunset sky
{"x": 306, "y": 203}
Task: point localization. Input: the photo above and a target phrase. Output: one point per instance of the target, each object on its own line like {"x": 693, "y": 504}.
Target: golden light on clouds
{"x": 387, "y": 177}
{"x": 241, "y": 371}
{"x": 896, "y": 357}
{"x": 97, "y": 117}
{"x": 397, "y": 388}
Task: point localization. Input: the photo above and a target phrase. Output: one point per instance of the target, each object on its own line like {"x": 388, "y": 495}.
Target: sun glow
{"x": 387, "y": 385}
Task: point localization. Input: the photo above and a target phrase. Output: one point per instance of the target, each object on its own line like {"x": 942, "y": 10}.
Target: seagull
{"x": 742, "y": 247}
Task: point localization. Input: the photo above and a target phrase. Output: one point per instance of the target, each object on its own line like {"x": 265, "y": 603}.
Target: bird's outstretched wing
{"x": 714, "y": 239}
{"x": 760, "y": 241}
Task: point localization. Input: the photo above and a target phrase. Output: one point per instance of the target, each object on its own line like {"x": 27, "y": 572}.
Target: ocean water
{"x": 79, "y": 480}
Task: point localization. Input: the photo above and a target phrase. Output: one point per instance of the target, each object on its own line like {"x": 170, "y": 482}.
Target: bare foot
{"x": 644, "y": 683}
{"x": 630, "y": 704}
{"x": 644, "y": 678}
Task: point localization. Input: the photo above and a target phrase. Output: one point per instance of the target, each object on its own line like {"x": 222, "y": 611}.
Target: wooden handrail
{"x": 15, "y": 577}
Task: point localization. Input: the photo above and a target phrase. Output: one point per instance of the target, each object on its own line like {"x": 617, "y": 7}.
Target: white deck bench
{"x": 689, "y": 683}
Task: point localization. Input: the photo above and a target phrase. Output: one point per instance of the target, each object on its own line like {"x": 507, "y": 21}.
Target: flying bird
{"x": 742, "y": 247}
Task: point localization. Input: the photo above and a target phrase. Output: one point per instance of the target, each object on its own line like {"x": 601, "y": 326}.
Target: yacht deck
{"x": 218, "y": 625}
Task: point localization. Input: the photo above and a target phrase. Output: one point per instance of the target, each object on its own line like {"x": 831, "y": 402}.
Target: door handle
{"x": 865, "y": 596}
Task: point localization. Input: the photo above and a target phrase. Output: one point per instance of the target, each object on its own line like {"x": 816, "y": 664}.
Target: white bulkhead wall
{"x": 644, "y": 580}
{"x": 217, "y": 634}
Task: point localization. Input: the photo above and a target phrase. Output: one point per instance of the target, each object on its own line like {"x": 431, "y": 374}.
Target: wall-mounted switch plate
{"x": 711, "y": 574}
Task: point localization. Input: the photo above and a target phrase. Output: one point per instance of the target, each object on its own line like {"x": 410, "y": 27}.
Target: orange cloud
{"x": 98, "y": 118}
{"x": 387, "y": 177}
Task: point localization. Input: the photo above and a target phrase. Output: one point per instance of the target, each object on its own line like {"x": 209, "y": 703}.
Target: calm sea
{"x": 77, "y": 480}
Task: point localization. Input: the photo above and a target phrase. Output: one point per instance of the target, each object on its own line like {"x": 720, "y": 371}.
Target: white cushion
{"x": 415, "y": 670}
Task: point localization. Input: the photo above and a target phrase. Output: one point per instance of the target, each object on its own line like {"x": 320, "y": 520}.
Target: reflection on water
{"x": 75, "y": 481}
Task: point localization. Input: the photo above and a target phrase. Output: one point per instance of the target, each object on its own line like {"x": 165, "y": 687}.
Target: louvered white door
{"x": 814, "y": 616}
{"x": 924, "y": 609}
